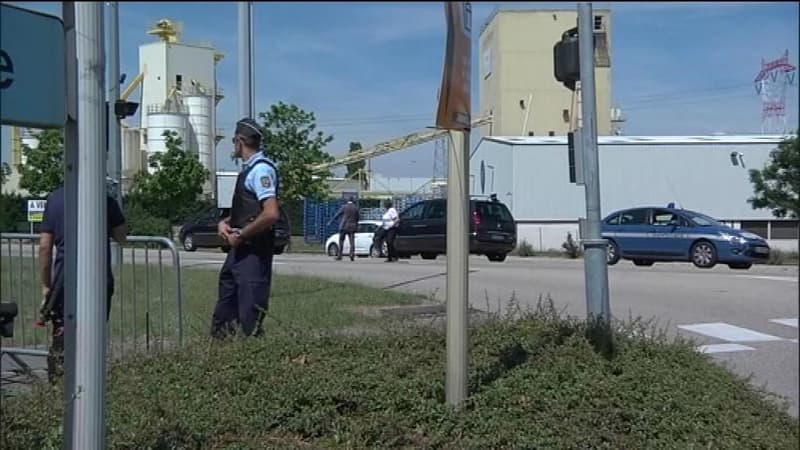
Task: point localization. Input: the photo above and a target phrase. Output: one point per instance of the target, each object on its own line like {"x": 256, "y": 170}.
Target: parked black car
{"x": 201, "y": 232}
{"x": 423, "y": 229}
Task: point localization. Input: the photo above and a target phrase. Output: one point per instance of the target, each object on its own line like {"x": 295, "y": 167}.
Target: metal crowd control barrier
{"x": 139, "y": 318}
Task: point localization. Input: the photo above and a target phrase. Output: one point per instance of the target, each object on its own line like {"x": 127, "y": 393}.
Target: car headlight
{"x": 738, "y": 240}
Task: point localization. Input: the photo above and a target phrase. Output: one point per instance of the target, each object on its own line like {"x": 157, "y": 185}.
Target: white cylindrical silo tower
{"x": 28, "y": 137}
{"x": 157, "y": 124}
{"x": 200, "y": 110}
{"x": 132, "y": 160}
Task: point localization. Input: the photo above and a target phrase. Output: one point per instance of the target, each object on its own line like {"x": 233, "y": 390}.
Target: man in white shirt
{"x": 391, "y": 220}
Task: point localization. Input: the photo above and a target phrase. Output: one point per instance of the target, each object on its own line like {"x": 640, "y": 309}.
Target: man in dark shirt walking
{"x": 52, "y": 274}
{"x": 347, "y": 227}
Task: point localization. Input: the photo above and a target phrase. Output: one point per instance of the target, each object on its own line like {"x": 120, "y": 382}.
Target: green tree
{"x": 291, "y": 140}
{"x": 173, "y": 191}
{"x": 777, "y": 185}
{"x": 12, "y": 211}
{"x": 354, "y": 168}
{"x": 43, "y": 171}
{"x": 5, "y": 172}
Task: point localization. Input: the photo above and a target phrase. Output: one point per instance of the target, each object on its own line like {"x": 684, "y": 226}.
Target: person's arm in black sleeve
{"x": 116, "y": 222}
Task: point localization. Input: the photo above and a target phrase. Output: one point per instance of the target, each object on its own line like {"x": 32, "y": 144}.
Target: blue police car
{"x": 653, "y": 234}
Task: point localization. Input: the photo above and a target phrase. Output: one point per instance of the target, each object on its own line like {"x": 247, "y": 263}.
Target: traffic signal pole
{"x": 595, "y": 265}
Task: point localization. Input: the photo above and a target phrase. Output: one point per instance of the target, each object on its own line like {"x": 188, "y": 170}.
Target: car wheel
{"x": 740, "y": 266}
{"x": 428, "y": 255}
{"x": 188, "y": 243}
{"x": 704, "y": 255}
{"x": 278, "y": 250}
{"x": 374, "y": 252}
{"x": 225, "y": 249}
{"x": 497, "y": 257}
{"x": 642, "y": 262}
{"x": 612, "y": 257}
{"x": 333, "y": 250}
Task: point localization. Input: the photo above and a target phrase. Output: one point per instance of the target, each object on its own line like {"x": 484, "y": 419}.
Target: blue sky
{"x": 370, "y": 71}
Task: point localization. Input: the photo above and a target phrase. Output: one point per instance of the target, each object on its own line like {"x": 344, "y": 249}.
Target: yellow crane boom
{"x": 393, "y": 145}
{"x": 132, "y": 87}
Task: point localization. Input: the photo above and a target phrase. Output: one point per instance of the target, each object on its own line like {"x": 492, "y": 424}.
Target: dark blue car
{"x": 650, "y": 234}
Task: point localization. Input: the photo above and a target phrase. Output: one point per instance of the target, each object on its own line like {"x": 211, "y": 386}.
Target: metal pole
{"x": 245, "y": 60}
{"x": 457, "y": 266}
{"x": 92, "y": 233}
{"x": 71, "y": 216}
{"x": 251, "y": 59}
{"x": 595, "y": 268}
{"x": 114, "y": 141}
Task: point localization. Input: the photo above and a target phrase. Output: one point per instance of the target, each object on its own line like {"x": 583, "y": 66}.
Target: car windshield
{"x": 702, "y": 220}
{"x": 494, "y": 211}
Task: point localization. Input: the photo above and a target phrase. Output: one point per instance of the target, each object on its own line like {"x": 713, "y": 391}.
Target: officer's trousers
{"x": 244, "y": 287}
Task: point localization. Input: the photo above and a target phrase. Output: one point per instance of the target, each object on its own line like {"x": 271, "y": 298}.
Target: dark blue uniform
{"x": 246, "y": 276}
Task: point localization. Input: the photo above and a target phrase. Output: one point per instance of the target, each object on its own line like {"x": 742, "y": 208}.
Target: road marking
{"x": 730, "y": 333}
{"x": 722, "y": 348}
{"x": 787, "y": 322}
{"x": 769, "y": 278}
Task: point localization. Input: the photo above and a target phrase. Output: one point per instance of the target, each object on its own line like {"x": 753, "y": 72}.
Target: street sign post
{"x": 454, "y": 114}
{"x": 32, "y": 75}
{"x": 36, "y": 210}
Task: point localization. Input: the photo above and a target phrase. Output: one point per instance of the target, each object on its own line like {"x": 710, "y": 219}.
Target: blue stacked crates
{"x": 316, "y": 217}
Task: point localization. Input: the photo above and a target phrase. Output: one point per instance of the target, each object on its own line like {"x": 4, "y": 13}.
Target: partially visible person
{"x": 347, "y": 227}
{"x": 391, "y": 220}
{"x": 52, "y": 273}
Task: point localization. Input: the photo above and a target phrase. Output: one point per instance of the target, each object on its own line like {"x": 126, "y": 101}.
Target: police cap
{"x": 249, "y": 129}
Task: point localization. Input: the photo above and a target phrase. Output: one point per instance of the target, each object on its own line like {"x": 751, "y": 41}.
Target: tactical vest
{"x": 245, "y": 206}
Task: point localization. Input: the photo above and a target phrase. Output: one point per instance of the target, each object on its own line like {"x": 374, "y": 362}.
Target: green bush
{"x": 13, "y": 212}
{"x": 534, "y": 383}
{"x": 571, "y": 248}
{"x": 776, "y": 257}
{"x": 525, "y": 249}
{"x": 143, "y": 223}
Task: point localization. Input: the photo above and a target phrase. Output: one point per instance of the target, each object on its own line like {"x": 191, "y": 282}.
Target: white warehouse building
{"x": 708, "y": 174}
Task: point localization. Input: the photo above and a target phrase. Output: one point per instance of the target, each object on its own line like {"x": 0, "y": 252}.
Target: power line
{"x": 657, "y": 105}
{"x": 685, "y": 91}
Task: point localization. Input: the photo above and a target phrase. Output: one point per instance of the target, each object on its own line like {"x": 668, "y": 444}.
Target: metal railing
{"x": 140, "y": 317}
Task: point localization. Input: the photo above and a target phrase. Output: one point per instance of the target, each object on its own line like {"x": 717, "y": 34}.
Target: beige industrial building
{"x": 517, "y": 82}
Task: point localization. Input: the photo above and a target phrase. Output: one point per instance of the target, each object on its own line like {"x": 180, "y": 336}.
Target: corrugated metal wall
{"x": 534, "y": 182}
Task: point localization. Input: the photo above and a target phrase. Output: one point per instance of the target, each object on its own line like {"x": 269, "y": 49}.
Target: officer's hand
{"x": 45, "y": 291}
{"x": 234, "y": 239}
{"x": 224, "y": 229}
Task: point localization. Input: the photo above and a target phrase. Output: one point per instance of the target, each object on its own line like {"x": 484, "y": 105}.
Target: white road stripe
{"x": 723, "y": 348}
{"x": 730, "y": 333}
{"x": 769, "y": 278}
{"x": 787, "y": 322}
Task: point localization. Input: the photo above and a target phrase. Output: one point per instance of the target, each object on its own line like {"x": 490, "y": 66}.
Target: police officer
{"x": 245, "y": 278}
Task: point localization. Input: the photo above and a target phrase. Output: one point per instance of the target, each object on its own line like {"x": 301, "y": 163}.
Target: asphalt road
{"x": 748, "y": 319}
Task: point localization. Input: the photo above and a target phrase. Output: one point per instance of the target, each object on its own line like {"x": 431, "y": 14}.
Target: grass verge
{"x": 143, "y": 311}
{"x": 535, "y": 382}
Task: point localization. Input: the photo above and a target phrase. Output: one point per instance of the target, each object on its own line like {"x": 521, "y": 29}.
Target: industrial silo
{"x": 199, "y": 107}
{"x": 133, "y": 160}
{"x": 157, "y": 124}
